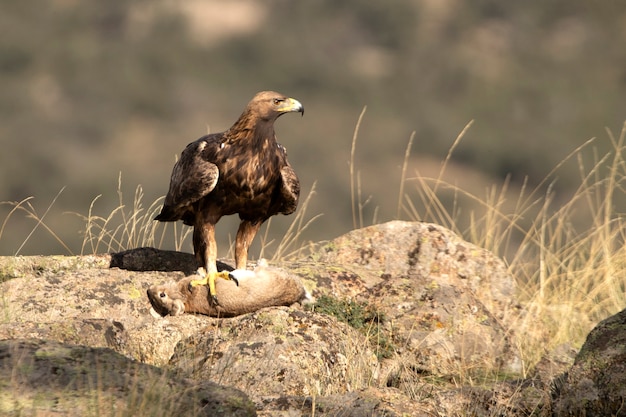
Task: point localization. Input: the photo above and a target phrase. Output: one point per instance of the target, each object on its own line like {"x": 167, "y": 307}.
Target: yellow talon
{"x": 210, "y": 280}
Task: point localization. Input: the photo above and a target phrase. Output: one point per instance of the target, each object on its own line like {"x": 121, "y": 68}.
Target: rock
{"x": 99, "y": 307}
{"x": 27, "y": 266}
{"x": 596, "y": 383}
{"x": 445, "y": 301}
{"x": 279, "y": 350}
{"x": 554, "y": 363}
{"x": 439, "y": 314}
{"x": 151, "y": 259}
{"x": 424, "y": 250}
{"x": 51, "y": 378}
{"x": 508, "y": 398}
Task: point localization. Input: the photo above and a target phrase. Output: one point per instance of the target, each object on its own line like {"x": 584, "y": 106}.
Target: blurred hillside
{"x": 91, "y": 89}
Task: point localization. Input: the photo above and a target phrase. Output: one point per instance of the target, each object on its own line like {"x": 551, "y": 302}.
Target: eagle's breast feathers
{"x": 243, "y": 170}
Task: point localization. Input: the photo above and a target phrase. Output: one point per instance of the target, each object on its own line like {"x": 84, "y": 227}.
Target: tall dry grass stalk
{"x": 355, "y": 189}
{"x": 291, "y": 244}
{"x": 29, "y": 210}
{"x": 126, "y": 227}
{"x": 132, "y": 226}
{"x": 567, "y": 255}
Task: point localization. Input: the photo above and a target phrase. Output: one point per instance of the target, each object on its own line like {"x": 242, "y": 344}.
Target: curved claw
{"x": 209, "y": 279}
{"x": 232, "y": 278}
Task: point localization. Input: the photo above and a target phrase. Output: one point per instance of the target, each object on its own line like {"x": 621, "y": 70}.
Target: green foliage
{"x": 357, "y": 315}
{"x": 361, "y": 316}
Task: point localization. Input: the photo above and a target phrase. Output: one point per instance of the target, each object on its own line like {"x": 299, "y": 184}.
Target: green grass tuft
{"x": 361, "y": 316}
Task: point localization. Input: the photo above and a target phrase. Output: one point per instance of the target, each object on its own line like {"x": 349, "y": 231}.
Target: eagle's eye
{"x": 277, "y": 101}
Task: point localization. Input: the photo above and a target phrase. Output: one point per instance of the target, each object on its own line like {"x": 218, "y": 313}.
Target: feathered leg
{"x": 246, "y": 232}
{"x": 205, "y": 250}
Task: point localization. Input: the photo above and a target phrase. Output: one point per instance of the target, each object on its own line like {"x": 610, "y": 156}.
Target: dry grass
{"x": 565, "y": 252}
{"x": 26, "y": 208}
{"x": 131, "y": 225}
{"x": 83, "y": 386}
{"x": 291, "y": 245}
{"x": 566, "y": 257}
{"x": 126, "y": 227}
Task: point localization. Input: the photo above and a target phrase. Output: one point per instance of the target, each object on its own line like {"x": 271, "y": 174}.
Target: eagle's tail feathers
{"x": 167, "y": 215}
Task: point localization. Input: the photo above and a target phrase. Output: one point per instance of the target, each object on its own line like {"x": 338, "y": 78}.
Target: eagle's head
{"x": 269, "y": 105}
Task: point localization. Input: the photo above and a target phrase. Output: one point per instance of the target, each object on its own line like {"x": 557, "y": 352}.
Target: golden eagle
{"x": 243, "y": 170}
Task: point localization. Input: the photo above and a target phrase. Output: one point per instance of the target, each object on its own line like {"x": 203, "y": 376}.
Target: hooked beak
{"x": 291, "y": 105}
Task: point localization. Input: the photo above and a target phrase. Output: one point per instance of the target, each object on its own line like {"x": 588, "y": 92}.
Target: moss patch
{"x": 361, "y": 316}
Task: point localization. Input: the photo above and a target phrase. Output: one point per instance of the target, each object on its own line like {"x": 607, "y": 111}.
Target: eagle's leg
{"x": 205, "y": 250}
{"x": 246, "y": 232}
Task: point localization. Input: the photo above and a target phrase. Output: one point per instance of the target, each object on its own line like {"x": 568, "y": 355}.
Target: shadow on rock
{"x": 151, "y": 259}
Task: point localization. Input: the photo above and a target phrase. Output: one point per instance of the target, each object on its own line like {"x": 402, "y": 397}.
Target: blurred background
{"x": 92, "y": 89}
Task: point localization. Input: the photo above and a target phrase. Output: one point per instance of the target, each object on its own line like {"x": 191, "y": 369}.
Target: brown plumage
{"x": 244, "y": 171}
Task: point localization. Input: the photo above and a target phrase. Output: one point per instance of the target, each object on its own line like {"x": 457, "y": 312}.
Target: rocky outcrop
{"x": 448, "y": 303}
{"x": 51, "y": 378}
{"x": 596, "y": 383}
{"x": 406, "y": 314}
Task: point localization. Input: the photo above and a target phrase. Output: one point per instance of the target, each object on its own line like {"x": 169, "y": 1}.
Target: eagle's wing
{"x": 290, "y": 189}
{"x": 193, "y": 177}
